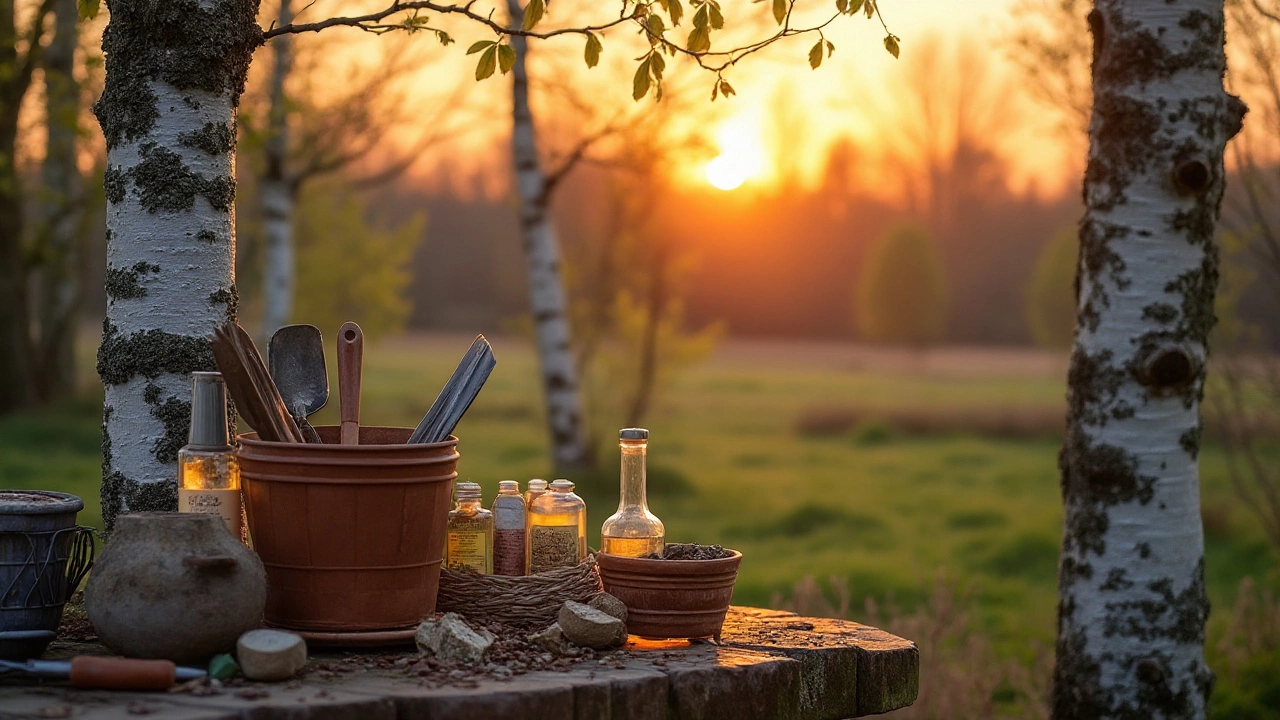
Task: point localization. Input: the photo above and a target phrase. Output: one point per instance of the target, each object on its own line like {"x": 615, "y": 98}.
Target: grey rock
{"x": 610, "y": 605}
{"x": 586, "y": 626}
{"x": 552, "y": 639}
{"x": 270, "y": 655}
{"x": 450, "y": 639}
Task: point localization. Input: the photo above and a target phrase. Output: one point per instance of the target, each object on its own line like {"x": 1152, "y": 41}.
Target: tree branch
{"x": 27, "y": 67}
{"x": 372, "y": 21}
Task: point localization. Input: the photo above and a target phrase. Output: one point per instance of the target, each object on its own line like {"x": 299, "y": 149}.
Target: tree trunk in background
{"x": 1131, "y": 577}
{"x": 16, "y": 381}
{"x": 175, "y": 70}
{"x": 547, "y": 297}
{"x": 278, "y": 193}
{"x": 62, "y": 205}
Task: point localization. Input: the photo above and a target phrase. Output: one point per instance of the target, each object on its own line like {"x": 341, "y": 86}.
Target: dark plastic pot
{"x": 43, "y": 558}
{"x": 671, "y": 598}
{"x": 352, "y": 536}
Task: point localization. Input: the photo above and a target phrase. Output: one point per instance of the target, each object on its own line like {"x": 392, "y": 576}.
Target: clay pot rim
{"x": 622, "y": 562}
{"x": 66, "y": 502}
{"x": 251, "y": 439}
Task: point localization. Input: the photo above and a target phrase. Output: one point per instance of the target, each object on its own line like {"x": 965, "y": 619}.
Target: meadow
{"x": 873, "y": 474}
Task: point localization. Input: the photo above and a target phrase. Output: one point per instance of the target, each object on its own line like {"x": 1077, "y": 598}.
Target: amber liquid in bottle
{"x": 557, "y": 529}
{"x": 470, "y": 534}
{"x": 208, "y": 468}
{"x": 633, "y": 531}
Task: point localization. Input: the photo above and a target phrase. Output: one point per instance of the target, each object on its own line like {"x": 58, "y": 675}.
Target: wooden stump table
{"x": 769, "y": 664}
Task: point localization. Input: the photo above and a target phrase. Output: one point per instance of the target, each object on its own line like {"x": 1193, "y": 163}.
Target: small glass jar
{"x": 557, "y": 529}
{"x": 633, "y": 531}
{"x": 470, "y": 544}
{"x": 208, "y": 467}
{"x": 509, "y": 530}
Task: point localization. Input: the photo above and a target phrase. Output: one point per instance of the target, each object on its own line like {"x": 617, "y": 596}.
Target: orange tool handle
{"x": 350, "y": 367}
{"x": 106, "y": 673}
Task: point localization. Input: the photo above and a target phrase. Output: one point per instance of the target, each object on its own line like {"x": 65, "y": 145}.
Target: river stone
{"x": 610, "y": 605}
{"x": 269, "y": 655}
{"x": 586, "y": 626}
{"x": 552, "y": 640}
{"x": 451, "y": 640}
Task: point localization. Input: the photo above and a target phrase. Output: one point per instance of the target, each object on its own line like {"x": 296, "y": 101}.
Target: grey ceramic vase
{"x": 176, "y": 586}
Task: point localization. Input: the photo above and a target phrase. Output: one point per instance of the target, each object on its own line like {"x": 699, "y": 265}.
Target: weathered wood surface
{"x": 769, "y": 665}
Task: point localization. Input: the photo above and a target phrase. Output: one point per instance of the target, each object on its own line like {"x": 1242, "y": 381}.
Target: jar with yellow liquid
{"x": 633, "y": 531}
{"x": 470, "y": 539}
{"x": 557, "y": 529}
{"x": 208, "y": 469}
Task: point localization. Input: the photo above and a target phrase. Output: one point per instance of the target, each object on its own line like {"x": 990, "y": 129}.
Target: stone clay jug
{"x": 176, "y": 586}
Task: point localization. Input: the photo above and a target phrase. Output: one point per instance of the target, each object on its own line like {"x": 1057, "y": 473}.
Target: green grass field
{"x": 882, "y": 511}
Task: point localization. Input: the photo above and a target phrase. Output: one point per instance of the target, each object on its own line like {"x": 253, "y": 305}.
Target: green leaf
{"x": 726, "y": 89}
{"x": 699, "y": 39}
{"x": 88, "y": 9}
{"x": 842, "y": 6}
{"x": 533, "y": 14}
{"x": 592, "y": 52}
{"x": 478, "y": 46}
{"x": 657, "y": 65}
{"x": 223, "y": 667}
{"x": 655, "y": 27}
{"x": 675, "y": 10}
{"x": 891, "y": 44}
{"x": 717, "y": 20}
{"x": 506, "y": 58}
{"x": 715, "y": 90}
{"x": 488, "y": 63}
{"x": 815, "y": 55}
{"x": 855, "y": 6}
{"x": 640, "y": 83}
{"x": 779, "y": 10}
{"x": 869, "y": 7}
{"x": 444, "y": 38}
{"x": 830, "y": 48}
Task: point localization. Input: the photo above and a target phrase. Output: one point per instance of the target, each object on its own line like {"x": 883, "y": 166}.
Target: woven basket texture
{"x": 530, "y": 601}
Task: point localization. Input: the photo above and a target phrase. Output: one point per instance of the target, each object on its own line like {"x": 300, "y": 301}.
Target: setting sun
{"x": 742, "y": 156}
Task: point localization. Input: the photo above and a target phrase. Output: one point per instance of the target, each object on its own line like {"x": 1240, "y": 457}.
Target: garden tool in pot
{"x": 296, "y": 357}
{"x": 350, "y": 366}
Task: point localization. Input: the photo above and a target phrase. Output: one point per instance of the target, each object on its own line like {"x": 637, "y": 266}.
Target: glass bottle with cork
{"x": 537, "y": 487}
{"x": 557, "y": 529}
{"x": 508, "y": 530}
{"x": 470, "y": 532}
{"x": 633, "y": 531}
{"x": 208, "y": 468}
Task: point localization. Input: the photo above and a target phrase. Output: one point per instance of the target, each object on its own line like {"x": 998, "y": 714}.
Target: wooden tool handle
{"x": 105, "y": 673}
{"x": 350, "y": 365}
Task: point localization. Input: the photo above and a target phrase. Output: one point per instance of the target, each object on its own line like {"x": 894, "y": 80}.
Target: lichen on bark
{"x": 164, "y": 182}
{"x": 150, "y": 354}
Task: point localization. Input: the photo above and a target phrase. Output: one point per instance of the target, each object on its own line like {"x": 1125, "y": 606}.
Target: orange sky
{"x": 857, "y": 93}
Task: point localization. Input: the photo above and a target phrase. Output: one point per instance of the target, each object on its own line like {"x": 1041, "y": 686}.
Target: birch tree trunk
{"x": 547, "y": 297}
{"x": 175, "y": 70}
{"x": 1131, "y": 577}
{"x": 62, "y": 205}
{"x": 278, "y": 200}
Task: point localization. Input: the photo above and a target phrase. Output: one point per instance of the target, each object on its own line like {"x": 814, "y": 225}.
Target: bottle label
{"x": 224, "y": 503}
{"x": 508, "y": 552}
{"x": 508, "y": 518}
{"x": 467, "y": 551}
{"x": 552, "y": 546}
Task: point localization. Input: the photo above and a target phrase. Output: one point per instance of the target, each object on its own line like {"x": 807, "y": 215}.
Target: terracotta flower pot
{"x": 352, "y": 536}
{"x": 671, "y": 598}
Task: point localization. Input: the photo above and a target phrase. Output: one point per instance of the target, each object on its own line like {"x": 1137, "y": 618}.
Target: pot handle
{"x": 210, "y": 563}
{"x": 80, "y": 559}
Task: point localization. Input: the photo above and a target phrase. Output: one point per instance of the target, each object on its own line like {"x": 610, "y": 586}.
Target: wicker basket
{"x": 531, "y": 601}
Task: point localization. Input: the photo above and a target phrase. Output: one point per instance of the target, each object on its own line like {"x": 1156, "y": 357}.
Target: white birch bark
{"x": 547, "y": 297}
{"x": 1131, "y": 577}
{"x": 175, "y": 70}
{"x": 279, "y": 273}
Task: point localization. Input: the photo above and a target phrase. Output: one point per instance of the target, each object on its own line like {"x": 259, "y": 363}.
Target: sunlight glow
{"x": 742, "y": 154}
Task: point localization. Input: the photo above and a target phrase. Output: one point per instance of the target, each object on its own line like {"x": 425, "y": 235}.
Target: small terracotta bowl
{"x": 671, "y": 598}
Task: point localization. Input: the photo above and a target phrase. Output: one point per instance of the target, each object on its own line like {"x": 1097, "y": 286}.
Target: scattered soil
{"x": 690, "y": 551}
{"x": 75, "y": 625}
